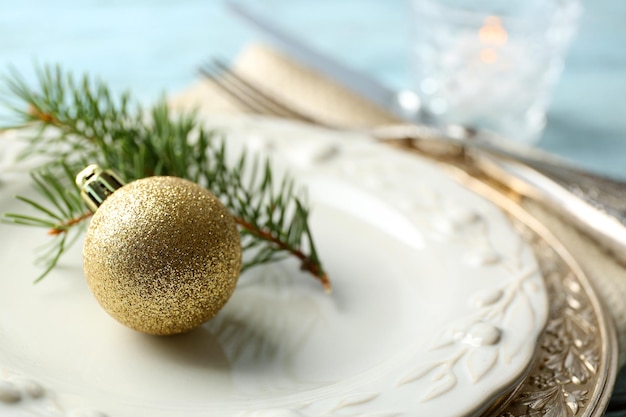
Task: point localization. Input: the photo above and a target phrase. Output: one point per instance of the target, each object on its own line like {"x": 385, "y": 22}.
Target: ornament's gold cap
{"x": 96, "y": 184}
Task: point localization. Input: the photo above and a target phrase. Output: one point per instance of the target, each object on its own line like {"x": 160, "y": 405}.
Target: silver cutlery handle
{"x": 593, "y": 203}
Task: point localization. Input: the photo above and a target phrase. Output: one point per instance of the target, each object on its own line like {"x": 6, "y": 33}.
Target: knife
{"x": 403, "y": 104}
{"x": 595, "y": 204}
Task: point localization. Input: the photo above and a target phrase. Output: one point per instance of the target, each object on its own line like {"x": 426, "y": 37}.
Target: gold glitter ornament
{"x": 162, "y": 255}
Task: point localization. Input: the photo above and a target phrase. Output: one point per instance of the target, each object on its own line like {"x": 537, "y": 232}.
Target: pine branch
{"x": 62, "y": 202}
{"x": 79, "y": 122}
{"x": 67, "y": 224}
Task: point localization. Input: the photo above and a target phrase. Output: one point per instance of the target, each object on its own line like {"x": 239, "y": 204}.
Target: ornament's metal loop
{"x": 96, "y": 184}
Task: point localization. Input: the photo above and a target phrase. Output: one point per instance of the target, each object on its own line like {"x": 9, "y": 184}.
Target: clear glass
{"x": 491, "y": 64}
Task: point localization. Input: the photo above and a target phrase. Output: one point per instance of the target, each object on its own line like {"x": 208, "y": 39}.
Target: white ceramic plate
{"x": 437, "y": 305}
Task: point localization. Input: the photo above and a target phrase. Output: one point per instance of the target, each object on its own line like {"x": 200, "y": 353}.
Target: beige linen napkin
{"x": 324, "y": 100}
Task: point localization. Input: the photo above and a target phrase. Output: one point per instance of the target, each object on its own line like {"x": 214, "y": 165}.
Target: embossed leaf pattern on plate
{"x": 566, "y": 367}
{"x": 476, "y": 344}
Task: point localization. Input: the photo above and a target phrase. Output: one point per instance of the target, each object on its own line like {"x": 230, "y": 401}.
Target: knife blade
{"x": 402, "y": 104}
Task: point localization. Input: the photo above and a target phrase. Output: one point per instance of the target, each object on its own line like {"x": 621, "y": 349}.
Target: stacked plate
{"x": 448, "y": 301}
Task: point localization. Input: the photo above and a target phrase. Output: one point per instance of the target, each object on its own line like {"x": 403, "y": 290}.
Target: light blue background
{"x": 154, "y": 47}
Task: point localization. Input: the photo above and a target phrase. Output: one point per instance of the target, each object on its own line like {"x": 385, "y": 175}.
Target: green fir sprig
{"x": 75, "y": 122}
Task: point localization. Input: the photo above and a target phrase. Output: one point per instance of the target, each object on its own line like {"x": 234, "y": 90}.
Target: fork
{"x": 454, "y": 140}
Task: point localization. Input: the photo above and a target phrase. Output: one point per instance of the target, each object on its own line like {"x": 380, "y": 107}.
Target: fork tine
{"x": 248, "y": 94}
{"x": 263, "y": 98}
{"x": 213, "y": 74}
{"x": 244, "y": 92}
